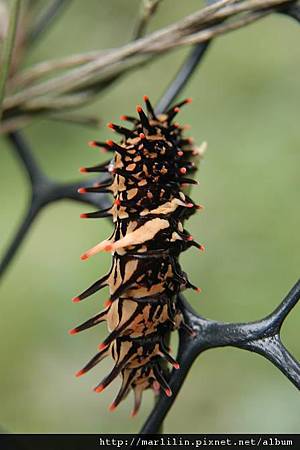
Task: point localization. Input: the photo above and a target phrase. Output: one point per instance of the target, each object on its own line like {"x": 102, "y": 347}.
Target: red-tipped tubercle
{"x": 198, "y": 290}
{"x": 168, "y": 392}
{"x": 84, "y": 256}
{"x": 117, "y": 202}
{"x": 176, "y": 366}
{"x": 112, "y": 407}
{"x": 81, "y": 191}
{"x": 201, "y": 248}
{"x": 73, "y": 331}
{"x": 110, "y": 142}
{"x": 79, "y": 373}
{"x": 176, "y": 109}
{"x": 123, "y": 117}
{"x": 83, "y": 216}
{"x": 182, "y": 170}
{"x": 142, "y": 136}
{"x": 133, "y": 413}
{"x": 139, "y": 108}
{"x": 180, "y": 153}
{"x": 190, "y": 238}
{"x": 99, "y": 388}
{"x": 82, "y": 170}
{"x": 102, "y": 346}
{"x": 146, "y": 98}
{"x": 189, "y": 205}
{"x": 75, "y": 299}
{"x": 110, "y": 125}
{"x": 92, "y": 144}
{"x": 188, "y": 100}
{"x": 107, "y": 303}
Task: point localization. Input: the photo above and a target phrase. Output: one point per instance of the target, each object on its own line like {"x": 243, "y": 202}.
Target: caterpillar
{"x": 148, "y": 177}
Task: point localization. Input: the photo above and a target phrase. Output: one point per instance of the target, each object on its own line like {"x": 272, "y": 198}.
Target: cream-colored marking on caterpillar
{"x": 142, "y": 182}
{"x": 130, "y": 268}
{"x": 139, "y": 236}
{"x": 94, "y": 250}
{"x": 166, "y": 208}
{"x": 131, "y": 167}
{"x": 175, "y": 237}
{"x": 113, "y": 321}
{"x": 124, "y": 349}
{"x": 132, "y": 193}
{"x": 120, "y": 213}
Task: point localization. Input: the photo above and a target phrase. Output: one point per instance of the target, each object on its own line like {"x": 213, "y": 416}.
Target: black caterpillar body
{"x": 148, "y": 175}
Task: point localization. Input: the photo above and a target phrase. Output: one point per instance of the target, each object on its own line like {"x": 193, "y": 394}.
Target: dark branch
{"x": 24, "y": 153}
{"x": 69, "y": 191}
{"x": 281, "y": 312}
{"x": 18, "y": 237}
{"x": 292, "y": 10}
{"x": 273, "y": 350}
{"x": 261, "y": 337}
{"x": 43, "y": 192}
{"x": 183, "y": 76}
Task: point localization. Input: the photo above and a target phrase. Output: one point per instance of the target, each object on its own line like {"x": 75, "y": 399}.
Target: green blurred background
{"x": 246, "y": 106}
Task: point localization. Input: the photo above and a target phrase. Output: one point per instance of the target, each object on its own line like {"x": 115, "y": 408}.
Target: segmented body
{"x": 148, "y": 175}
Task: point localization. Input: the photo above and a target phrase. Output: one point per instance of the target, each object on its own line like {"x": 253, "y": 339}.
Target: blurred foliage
{"x": 246, "y": 105}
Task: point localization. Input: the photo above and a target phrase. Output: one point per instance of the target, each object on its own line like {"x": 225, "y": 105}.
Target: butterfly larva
{"x": 148, "y": 174}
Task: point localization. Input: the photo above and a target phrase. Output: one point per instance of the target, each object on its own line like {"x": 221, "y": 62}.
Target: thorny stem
{"x": 8, "y": 47}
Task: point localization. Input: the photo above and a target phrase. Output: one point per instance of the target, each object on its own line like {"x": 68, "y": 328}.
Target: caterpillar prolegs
{"x": 148, "y": 176}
